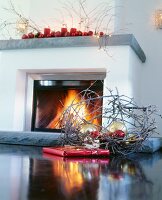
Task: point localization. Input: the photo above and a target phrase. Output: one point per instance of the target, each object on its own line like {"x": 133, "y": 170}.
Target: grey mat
{"x": 29, "y": 138}
{"x": 52, "y": 139}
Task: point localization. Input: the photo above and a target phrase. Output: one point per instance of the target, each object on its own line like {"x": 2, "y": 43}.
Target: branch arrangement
{"x": 114, "y": 122}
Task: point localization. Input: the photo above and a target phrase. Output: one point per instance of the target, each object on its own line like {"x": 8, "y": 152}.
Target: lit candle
{"x": 47, "y": 31}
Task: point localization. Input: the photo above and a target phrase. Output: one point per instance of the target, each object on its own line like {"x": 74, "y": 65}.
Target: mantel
{"x": 84, "y": 41}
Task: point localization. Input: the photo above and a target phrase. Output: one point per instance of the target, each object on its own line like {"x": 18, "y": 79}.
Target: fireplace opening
{"x": 52, "y": 97}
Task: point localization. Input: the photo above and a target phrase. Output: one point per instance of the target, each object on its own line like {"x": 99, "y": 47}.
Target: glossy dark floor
{"x": 25, "y": 173}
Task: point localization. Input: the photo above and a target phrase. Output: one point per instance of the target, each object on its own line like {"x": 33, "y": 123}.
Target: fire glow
{"x": 83, "y": 111}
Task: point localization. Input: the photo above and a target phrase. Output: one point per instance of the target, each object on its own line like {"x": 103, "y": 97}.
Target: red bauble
{"x": 84, "y": 34}
{"x": 58, "y": 34}
{"x": 119, "y": 133}
{"x": 25, "y": 36}
{"x": 49, "y": 35}
{"x": 94, "y": 134}
{"x": 53, "y": 34}
{"x": 67, "y": 34}
{"x": 41, "y": 35}
{"x": 72, "y": 34}
{"x": 101, "y": 34}
{"x": 79, "y": 33}
{"x": 90, "y": 33}
{"x": 30, "y": 35}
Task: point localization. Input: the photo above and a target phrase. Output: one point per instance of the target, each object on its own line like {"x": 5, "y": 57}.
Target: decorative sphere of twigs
{"x": 116, "y": 120}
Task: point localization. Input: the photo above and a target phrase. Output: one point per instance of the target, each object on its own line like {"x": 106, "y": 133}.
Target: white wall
{"x": 137, "y": 17}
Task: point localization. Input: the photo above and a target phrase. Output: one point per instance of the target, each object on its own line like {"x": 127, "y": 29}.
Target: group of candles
{"x": 63, "y": 33}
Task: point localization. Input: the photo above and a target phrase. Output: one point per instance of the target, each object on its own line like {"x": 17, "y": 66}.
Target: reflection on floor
{"x": 26, "y": 173}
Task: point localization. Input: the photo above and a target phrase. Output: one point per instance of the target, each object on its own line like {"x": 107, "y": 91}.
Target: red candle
{"x": 47, "y": 31}
{"x": 63, "y": 30}
{"x": 73, "y": 30}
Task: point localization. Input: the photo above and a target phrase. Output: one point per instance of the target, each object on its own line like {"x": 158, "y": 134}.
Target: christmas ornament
{"x": 67, "y": 34}
{"x": 90, "y": 33}
{"x": 58, "y": 34}
{"x": 101, "y": 34}
{"x": 63, "y": 33}
{"x": 49, "y": 35}
{"x": 94, "y": 134}
{"x": 84, "y": 34}
{"x": 87, "y": 128}
{"x": 41, "y": 35}
{"x": 30, "y": 35}
{"x": 53, "y": 34}
{"x": 72, "y": 34}
{"x": 119, "y": 133}
{"x": 25, "y": 36}
{"x": 79, "y": 33}
{"x": 117, "y": 125}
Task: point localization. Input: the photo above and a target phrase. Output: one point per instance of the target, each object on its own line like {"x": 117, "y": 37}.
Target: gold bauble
{"x": 117, "y": 125}
{"x": 87, "y": 128}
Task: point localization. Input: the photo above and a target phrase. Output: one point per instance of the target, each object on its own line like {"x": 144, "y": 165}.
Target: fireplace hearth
{"x": 52, "y": 97}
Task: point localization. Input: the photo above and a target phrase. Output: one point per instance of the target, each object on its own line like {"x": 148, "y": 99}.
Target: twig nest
{"x": 88, "y": 128}
{"x": 119, "y": 124}
{"x": 116, "y": 126}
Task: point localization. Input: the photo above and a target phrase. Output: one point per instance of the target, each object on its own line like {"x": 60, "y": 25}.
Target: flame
{"x": 82, "y": 110}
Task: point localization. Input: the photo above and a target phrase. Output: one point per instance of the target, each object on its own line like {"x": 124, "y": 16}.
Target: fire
{"x": 82, "y": 109}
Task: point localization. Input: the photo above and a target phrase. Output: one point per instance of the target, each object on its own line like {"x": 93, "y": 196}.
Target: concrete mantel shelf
{"x": 86, "y": 41}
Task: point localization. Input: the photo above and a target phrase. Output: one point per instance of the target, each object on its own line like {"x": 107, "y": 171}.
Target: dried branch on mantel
{"x": 97, "y": 19}
{"x": 122, "y": 127}
{"x": 17, "y": 17}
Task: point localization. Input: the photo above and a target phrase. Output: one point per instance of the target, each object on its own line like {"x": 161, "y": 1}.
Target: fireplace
{"x": 74, "y": 58}
{"x": 52, "y": 97}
